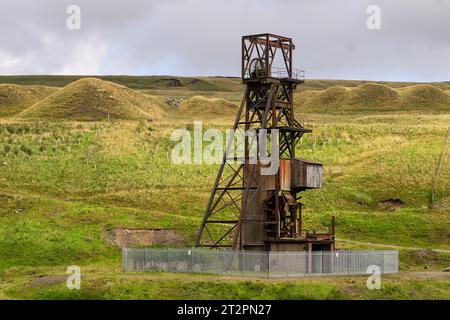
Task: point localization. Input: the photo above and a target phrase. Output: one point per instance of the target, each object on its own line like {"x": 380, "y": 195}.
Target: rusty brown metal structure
{"x": 249, "y": 210}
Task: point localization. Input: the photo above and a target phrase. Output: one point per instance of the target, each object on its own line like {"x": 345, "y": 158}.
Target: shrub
{"x": 10, "y": 129}
{"x": 25, "y": 149}
{"x": 6, "y": 148}
{"x": 140, "y": 127}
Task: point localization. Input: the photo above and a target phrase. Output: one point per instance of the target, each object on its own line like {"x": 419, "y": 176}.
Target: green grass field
{"x": 65, "y": 184}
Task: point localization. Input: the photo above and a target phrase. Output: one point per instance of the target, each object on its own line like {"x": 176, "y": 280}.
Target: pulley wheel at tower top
{"x": 257, "y": 68}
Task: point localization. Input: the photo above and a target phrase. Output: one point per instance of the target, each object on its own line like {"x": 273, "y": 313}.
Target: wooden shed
{"x": 295, "y": 174}
{"x": 306, "y": 174}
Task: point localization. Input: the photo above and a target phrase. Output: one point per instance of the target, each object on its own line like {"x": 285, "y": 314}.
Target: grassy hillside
{"x": 192, "y": 83}
{"x": 113, "y": 284}
{"x": 14, "y": 98}
{"x": 136, "y": 82}
{"x": 376, "y": 98}
{"x": 65, "y": 184}
{"x": 203, "y": 108}
{"x": 94, "y": 99}
{"x": 229, "y": 88}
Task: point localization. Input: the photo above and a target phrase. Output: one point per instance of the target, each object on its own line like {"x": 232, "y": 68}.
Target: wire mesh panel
{"x": 260, "y": 264}
{"x": 287, "y": 264}
{"x": 390, "y": 262}
{"x": 278, "y": 265}
{"x": 296, "y": 264}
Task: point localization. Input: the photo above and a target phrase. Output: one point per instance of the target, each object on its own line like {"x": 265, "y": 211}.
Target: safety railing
{"x": 261, "y": 263}
{"x": 282, "y": 73}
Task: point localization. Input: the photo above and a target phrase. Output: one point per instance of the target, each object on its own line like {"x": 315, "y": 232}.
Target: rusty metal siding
{"x": 298, "y": 173}
{"x": 254, "y": 232}
{"x": 293, "y": 174}
{"x": 267, "y": 182}
{"x": 285, "y": 175}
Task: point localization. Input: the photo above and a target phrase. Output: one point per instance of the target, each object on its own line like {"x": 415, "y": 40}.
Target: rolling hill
{"x": 211, "y": 83}
{"x": 315, "y": 95}
{"x": 201, "y": 106}
{"x": 426, "y": 95}
{"x": 95, "y": 99}
{"x": 15, "y": 98}
{"x": 374, "y": 97}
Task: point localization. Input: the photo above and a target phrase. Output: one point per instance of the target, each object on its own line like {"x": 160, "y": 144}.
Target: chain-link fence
{"x": 260, "y": 264}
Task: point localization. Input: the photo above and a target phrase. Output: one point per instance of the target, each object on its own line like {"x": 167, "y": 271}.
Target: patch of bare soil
{"x": 43, "y": 281}
{"x": 391, "y": 204}
{"x": 174, "y": 102}
{"x": 126, "y": 238}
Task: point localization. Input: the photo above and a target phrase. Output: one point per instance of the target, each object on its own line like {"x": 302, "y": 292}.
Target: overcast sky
{"x": 202, "y": 37}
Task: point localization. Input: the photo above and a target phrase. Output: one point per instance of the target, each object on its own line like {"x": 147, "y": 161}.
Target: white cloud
{"x": 9, "y": 62}
{"x": 86, "y": 58}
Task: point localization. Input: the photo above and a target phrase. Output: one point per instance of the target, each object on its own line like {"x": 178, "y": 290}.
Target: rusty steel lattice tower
{"x": 249, "y": 210}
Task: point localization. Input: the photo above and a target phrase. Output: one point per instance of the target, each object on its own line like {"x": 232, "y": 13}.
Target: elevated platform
{"x": 287, "y": 129}
{"x": 274, "y": 79}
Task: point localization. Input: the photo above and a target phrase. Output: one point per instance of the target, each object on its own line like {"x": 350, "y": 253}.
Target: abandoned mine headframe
{"x": 248, "y": 210}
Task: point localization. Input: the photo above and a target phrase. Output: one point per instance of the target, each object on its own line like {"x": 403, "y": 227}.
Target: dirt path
{"x": 391, "y": 245}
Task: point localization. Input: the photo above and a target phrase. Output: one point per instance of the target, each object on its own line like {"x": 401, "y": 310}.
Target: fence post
{"x": 309, "y": 257}
{"x": 145, "y": 259}
{"x": 332, "y": 255}
{"x": 286, "y": 264}
{"x": 304, "y": 263}
{"x": 348, "y": 257}
{"x": 242, "y": 262}
{"x": 217, "y": 259}
{"x": 125, "y": 259}
{"x": 321, "y": 262}
{"x": 167, "y": 264}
